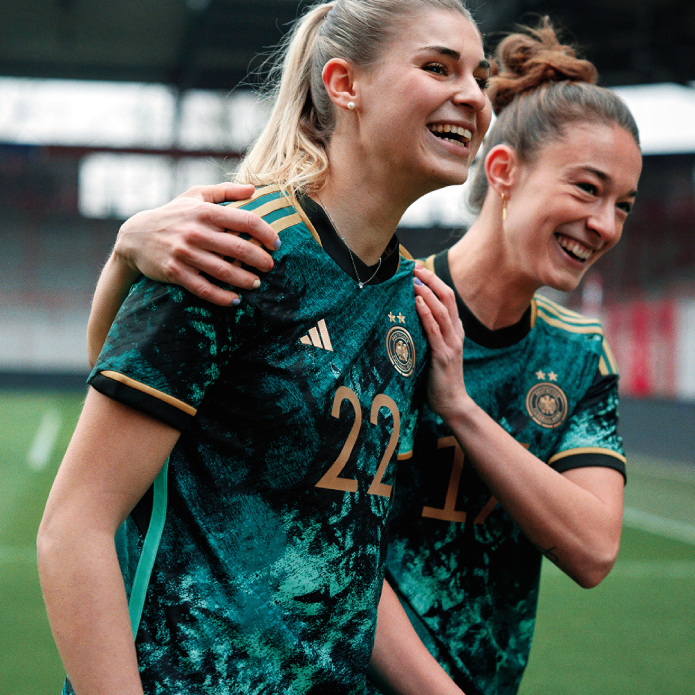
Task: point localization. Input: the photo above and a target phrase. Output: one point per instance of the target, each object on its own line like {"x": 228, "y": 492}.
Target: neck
{"x": 362, "y": 200}
{"x": 486, "y": 280}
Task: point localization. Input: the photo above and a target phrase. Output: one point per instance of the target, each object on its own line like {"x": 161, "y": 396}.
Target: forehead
{"x": 607, "y": 151}
{"x": 437, "y": 27}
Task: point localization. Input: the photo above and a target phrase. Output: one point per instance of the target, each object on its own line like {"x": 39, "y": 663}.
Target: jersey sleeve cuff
{"x": 586, "y": 458}
{"x": 146, "y": 399}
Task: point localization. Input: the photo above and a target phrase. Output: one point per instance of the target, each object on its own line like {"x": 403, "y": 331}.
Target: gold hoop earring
{"x": 504, "y": 207}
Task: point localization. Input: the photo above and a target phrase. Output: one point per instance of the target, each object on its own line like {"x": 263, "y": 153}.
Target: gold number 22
{"x": 331, "y": 479}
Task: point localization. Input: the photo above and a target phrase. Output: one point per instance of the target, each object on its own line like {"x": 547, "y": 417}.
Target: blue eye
{"x": 437, "y": 68}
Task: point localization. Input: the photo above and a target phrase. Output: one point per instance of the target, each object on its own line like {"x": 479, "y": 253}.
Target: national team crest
{"x": 547, "y": 405}
{"x": 401, "y": 350}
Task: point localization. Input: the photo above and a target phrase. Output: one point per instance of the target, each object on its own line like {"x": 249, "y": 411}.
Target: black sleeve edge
{"x": 143, "y": 402}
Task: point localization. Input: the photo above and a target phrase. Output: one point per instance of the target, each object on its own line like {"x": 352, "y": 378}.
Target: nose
{"x": 604, "y": 222}
{"x": 470, "y": 94}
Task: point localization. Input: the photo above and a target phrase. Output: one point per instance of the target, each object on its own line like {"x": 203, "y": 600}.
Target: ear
{"x": 501, "y": 165}
{"x": 338, "y": 78}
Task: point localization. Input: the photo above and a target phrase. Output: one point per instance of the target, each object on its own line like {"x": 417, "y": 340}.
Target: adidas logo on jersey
{"x": 318, "y": 337}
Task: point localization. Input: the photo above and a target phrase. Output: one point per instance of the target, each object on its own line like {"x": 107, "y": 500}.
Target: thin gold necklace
{"x": 352, "y": 258}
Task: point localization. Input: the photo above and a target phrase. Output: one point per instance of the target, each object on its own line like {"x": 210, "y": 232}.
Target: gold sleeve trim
{"x": 159, "y": 395}
{"x": 407, "y": 455}
{"x": 587, "y": 450}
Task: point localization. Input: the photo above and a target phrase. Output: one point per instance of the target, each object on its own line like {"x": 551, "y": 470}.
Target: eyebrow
{"x": 451, "y": 53}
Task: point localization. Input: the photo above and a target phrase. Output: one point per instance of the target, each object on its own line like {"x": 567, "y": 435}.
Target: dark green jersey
{"x": 293, "y": 408}
{"x": 467, "y": 575}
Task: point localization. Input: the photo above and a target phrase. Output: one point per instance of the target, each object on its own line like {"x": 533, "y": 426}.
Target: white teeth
{"x": 575, "y": 248}
{"x": 463, "y": 133}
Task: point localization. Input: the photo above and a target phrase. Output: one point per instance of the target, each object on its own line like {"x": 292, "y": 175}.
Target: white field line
{"x": 658, "y": 525}
{"x": 44, "y": 440}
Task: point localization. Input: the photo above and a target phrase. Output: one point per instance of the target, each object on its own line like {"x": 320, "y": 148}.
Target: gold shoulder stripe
{"x": 144, "y": 388}
{"x": 258, "y": 193}
{"x": 272, "y": 206}
{"x": 285, "y": 222}
{"x": 587, "y": 450}
{"x": 563, "y": 313}
{"x": 534, "y": 312}
{"x": 429, "y": 263}
{"x": 404, "y": 252}
{"x": 609, "y": 358}
{"x": 307, "y": 222}
{"x": 587, "y": 328}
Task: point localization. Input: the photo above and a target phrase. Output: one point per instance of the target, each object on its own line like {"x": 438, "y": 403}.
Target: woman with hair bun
{"x": 530, "y": 463}
{"x": 243, "y": 457}
{"x": 535, "y": 466}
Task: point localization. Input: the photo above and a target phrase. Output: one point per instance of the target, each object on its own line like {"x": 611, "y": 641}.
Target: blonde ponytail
{"x": 292, "y": 150}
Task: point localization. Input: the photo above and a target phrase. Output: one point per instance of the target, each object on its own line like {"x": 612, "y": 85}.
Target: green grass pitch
{"x": 634, "y": 634}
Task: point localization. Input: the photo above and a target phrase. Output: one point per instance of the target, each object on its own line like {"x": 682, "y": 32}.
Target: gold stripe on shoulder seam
{"x": 309, "y": 225}
{"x": 594, "y": 328}
{"x": 144, "y": 388}
{"x": 258, "y": 193}
{"x": 429, "y": 263}
{"x": 587, "y": 450}
{"x": 271, "y": 206}
{"x": 285, "y": 222}
{"x": 565, "y": 314}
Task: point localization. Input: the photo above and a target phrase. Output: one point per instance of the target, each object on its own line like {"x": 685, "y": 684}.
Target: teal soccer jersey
{"x": 465, "y": 573}
{"x": 267, "y": 536}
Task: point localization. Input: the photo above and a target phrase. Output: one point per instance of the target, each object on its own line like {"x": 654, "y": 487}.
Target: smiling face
{"x": 422, "y": 108}
{"x": 567, "y": 208}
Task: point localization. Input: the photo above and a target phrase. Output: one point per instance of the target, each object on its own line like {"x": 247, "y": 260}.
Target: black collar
{"x": 474, "y": 329}
{"x": 336, "y": 248}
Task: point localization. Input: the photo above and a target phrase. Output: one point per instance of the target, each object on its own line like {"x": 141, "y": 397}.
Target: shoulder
{"x": 276, "y": 206}
{"x": 583, "y": 333}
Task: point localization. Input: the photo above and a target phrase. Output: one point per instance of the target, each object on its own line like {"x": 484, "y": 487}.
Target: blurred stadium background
{"x": 109, "y": 108}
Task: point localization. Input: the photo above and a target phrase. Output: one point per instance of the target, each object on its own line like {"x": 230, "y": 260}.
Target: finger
{"x": 192, "y": 259}
{"x": 244, "y": 222}
{"x": 445, "y": 309}
{"x": 425, "y": 305}
{"x": 200, "y": 286}
{"x": 221, "y": 192}
{"x": 224, "y": 246}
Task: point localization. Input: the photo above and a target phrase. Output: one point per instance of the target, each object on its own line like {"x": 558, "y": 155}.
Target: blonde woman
{"x": 243, "y": 456}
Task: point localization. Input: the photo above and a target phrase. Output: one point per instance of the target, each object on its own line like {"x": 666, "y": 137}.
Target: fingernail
{"x": 236, "y": 301}
{"x": 417, "y": 281}
{"x": 278, "y": 244}
{"x": 256, "y": 284}
{"x": 272, "y": 264}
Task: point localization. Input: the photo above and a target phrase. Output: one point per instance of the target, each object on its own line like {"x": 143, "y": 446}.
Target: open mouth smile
{"x": 574, "y": 249}
{"x": 451, "y": 133}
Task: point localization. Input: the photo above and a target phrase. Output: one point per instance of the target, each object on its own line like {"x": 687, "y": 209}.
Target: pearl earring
{"x": 351, "y": 105}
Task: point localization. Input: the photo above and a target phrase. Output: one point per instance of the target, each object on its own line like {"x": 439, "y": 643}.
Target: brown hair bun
{"x": 530, "y": 58}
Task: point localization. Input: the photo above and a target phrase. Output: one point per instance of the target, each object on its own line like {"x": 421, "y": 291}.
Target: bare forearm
{"x": 401, "y": 664}
{"x": 87, "y": 609}
{"x": 577, "y": 526}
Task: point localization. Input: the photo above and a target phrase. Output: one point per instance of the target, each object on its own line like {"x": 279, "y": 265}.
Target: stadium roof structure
{"x": 213, "y": 44}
